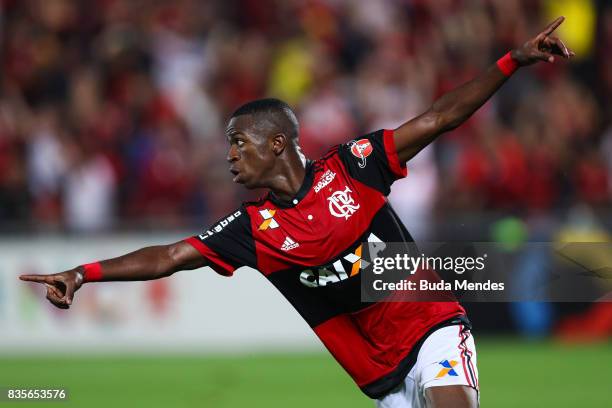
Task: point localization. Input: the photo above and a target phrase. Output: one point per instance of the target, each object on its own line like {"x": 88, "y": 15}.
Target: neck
{"x": 290, "y": 178}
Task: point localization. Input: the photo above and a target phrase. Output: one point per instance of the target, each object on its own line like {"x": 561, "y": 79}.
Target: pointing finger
{"x": 37, "y": 278}
{"x": 553, "y": 26}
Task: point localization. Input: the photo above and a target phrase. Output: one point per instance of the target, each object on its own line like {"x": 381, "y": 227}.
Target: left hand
{"x": 542, "y": 47}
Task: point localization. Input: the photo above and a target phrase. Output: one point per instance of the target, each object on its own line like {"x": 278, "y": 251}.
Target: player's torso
{"x": 333, "y": 213}
{"x": 311, "y": 250}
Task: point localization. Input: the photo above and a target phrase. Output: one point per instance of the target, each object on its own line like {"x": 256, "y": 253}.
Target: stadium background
{"x": 111, "y": 137}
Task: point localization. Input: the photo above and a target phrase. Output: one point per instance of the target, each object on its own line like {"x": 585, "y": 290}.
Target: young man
{"x": 306, "y": 237}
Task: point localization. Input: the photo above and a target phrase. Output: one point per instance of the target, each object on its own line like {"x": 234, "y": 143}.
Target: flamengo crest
{"x": 342, "y": 204}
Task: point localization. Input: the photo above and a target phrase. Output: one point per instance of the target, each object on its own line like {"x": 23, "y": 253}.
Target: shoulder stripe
{"x": 333, "y": 150}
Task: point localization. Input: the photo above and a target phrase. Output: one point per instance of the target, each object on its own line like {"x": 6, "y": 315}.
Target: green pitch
{"x": 512, "y": 374}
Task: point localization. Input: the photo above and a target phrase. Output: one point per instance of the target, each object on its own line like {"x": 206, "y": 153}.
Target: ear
{"x": 279, "y": 143}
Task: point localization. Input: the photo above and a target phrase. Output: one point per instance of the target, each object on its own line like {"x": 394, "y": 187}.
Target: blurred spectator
{"x": 89, "y": 190}
{"x": 112, "y": 112}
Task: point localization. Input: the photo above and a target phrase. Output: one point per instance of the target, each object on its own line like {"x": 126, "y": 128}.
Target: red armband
{"x": 92, "y": 272}
{"x": 507, "y": 65}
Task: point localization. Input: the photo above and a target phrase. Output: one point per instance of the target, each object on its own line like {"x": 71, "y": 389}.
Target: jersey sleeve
{"x": 372, "y": 159}
{"x": 228, "y": 244}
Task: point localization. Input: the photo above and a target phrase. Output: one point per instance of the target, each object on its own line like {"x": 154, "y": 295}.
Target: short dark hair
{"x": 274, "y": 111}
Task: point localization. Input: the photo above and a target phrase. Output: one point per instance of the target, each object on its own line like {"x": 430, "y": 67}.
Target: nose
{"x": 232, "y": 154}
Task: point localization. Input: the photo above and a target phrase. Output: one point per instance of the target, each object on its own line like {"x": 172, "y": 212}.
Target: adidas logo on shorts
{"x": 289, "y": 244}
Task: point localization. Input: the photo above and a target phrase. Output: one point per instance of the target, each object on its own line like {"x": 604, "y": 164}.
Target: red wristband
{"x": 92, "y": 272}
{"x": 507, "y": 65}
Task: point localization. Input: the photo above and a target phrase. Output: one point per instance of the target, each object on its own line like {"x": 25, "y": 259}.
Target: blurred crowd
{"x": 112, "y": 111}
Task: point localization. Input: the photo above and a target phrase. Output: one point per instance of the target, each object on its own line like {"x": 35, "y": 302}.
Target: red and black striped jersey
{"x": 310, "y": 248}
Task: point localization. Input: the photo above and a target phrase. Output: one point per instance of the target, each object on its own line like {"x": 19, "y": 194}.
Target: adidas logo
{"x": 289, "y": 244}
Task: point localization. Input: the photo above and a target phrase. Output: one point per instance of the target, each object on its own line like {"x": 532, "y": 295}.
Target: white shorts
{"x": 447, "y": 357}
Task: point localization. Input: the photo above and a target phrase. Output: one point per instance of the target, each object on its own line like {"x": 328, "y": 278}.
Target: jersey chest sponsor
{"x": 341, "y": 269}
{"x": 325, "y": 179}
{"x": 268, "y": 220}
{"x": 340, "y": 204}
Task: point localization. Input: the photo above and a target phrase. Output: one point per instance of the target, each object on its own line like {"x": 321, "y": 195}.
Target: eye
{"x": 240, "y": 142}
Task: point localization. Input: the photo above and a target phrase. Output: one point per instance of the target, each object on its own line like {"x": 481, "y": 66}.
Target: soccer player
{"x": 305, "y": 236}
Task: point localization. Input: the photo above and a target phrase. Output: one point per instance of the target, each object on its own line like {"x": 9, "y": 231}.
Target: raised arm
{"x": 144, "y": 264}
{"x": 456, "y": 106}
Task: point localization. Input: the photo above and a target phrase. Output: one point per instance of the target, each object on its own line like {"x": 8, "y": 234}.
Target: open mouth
{"x": 236, "y": 174}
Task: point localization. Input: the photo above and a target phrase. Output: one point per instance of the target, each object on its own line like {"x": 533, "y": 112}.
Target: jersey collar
{"x": 304, "y": 188}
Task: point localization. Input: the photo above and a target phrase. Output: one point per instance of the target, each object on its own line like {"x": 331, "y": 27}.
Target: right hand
{"x": 60, "y": 286}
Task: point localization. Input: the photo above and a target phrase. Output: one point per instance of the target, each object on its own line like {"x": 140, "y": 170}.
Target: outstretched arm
{"x": 144, "y": 264}
{"x": 455, "y": 107}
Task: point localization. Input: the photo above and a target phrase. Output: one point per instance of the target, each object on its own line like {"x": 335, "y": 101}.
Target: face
{"x": 251, "y": 154}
